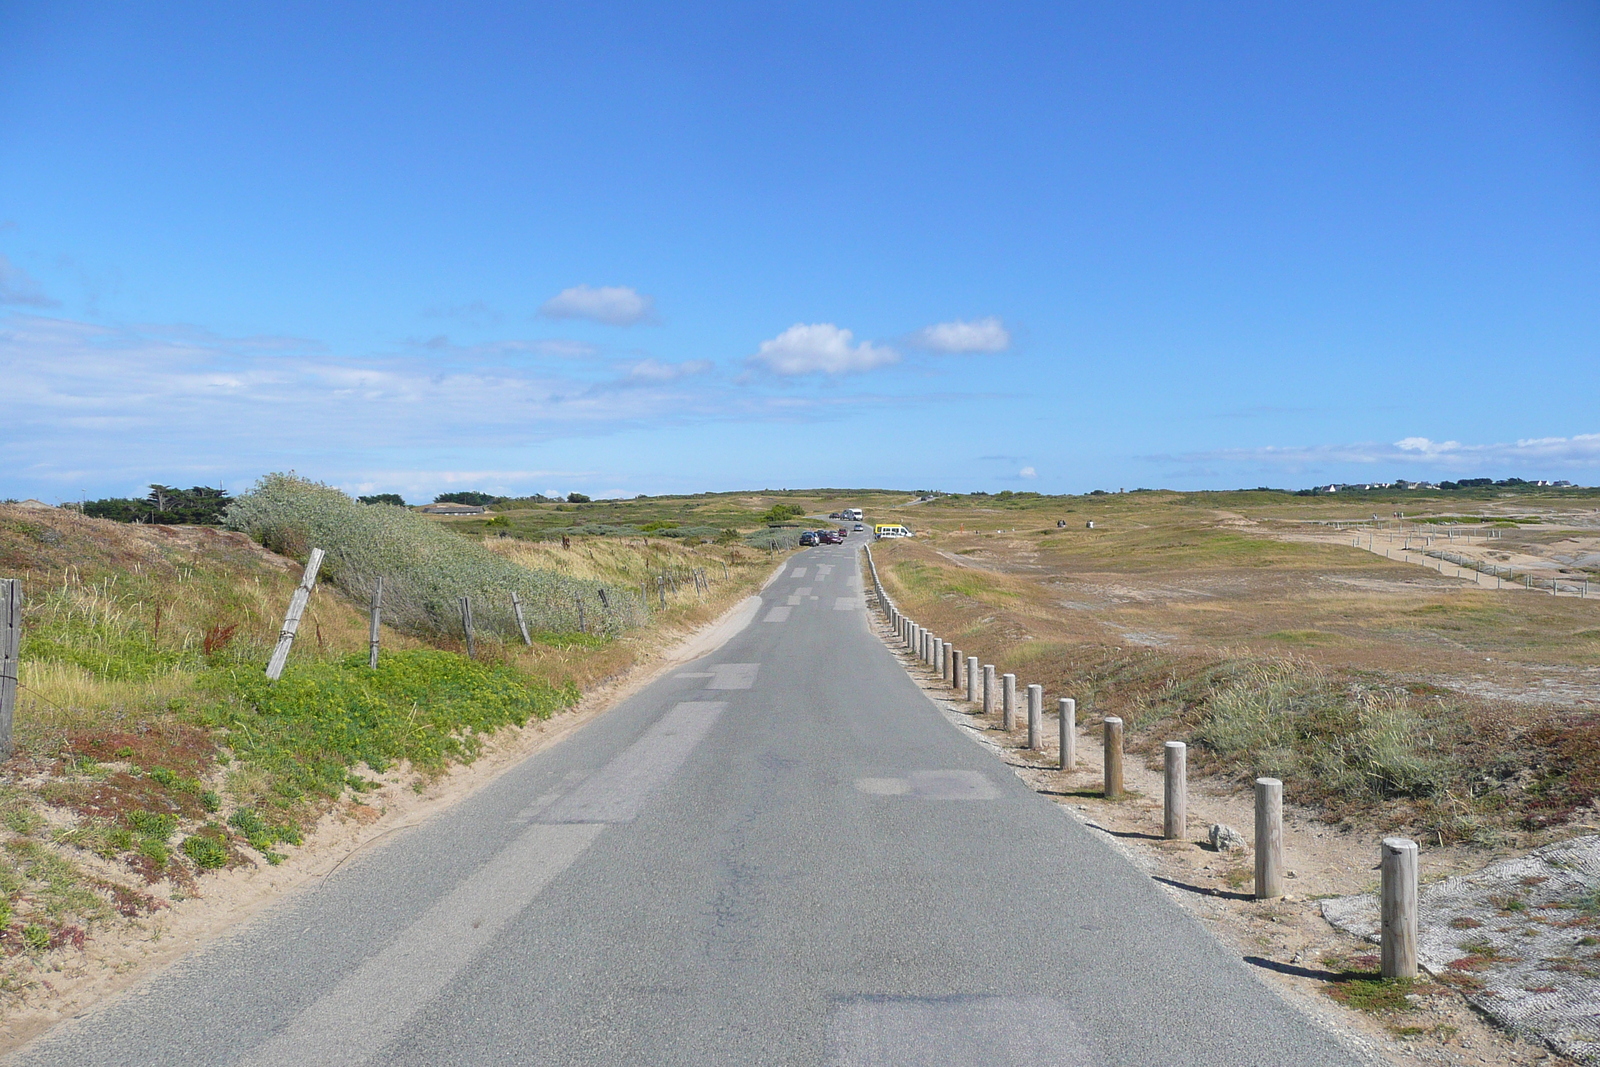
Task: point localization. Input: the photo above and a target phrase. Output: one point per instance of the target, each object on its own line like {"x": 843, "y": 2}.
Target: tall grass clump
{"x": 426, "y": 568}
{"x": 1291, "y": 721}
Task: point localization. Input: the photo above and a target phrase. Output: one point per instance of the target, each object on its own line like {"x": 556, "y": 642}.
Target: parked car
{"x": 828, "y": 537}
{"x": 859, "y": 527}
{"x": 808, "y": 538}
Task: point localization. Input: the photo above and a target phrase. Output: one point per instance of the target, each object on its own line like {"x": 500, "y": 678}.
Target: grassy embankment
{"x": 1376, "y": 691}
{"x": 150, "y": 747}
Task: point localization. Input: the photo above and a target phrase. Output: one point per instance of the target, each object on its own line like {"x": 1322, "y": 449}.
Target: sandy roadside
{"x": 116, "y": 960}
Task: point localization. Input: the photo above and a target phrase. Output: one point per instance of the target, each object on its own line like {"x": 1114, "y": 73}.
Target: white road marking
{"x": 798, "y": 572}
{"x": 844, "y": 603}
{"x": 373, "y": 1003}
{"x": 804, "y": 590}
{"x": 878, "y": 1031}
{"x": 778, "y": 614}
{"x": 619, "y": 789}
{"x": 932, "y": 785}
{"x": 794, "y": 598}
{"x": 734, "y": 675}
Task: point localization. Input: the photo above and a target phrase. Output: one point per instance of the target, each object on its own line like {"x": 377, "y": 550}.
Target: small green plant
{"x": 156, "y": 852}
{"x": 210, "y": 801}
{"x": 1374, "y": 995}
{"x": 206, "y": 852}
{"x": 36, "y": 936}
{"x": 156, "y": 825}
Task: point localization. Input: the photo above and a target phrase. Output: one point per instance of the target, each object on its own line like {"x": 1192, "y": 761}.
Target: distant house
{"x": 453, "y": 509}
{"x": 35, "y": 504}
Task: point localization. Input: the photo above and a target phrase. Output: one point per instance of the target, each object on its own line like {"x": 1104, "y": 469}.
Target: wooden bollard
{"x": 1269, "y": 839}
{"x": 1399, "y": 908}
{"x": 466, "y": 623}
{"x": 1067, "y": 715}
{"x": 947, "y": 668}
{"x": 958, "y": 669}
{"x": 1035, "y": 715}
{"x": 1008, "y": 702}
{"x": 973, "y": 675}
{"x": 1113, "y": 748}
{"x": 991, "y": 689}
{"x": 1175, "y": 812}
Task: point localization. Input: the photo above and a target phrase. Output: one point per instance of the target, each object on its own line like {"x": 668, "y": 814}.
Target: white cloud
{"x": 987, "y": 334}
{"x": 613, "y": 305}
{"x": 16, "y": 287}
{"x": 821, "y": 347}
{"x": 654, "y": 370}
{"x": 1028, "y": 472}
{"x": 1580, "y": 450}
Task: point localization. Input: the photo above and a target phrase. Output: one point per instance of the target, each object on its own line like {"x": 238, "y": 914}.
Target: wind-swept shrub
{"x": 426, "y": 568}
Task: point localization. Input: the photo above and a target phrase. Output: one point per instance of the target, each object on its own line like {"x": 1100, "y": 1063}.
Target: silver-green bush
{"x": 426, "y": 568}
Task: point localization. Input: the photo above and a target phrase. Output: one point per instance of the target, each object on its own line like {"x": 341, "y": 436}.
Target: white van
{"x": 889, "y": 529}
{"x": 852, "y": 515}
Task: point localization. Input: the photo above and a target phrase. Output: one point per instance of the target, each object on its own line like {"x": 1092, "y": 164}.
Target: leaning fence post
{"x": 291, "y": 620}
{"x": 1067, "y": 713}
{"x": 1269, "y": 838}
{"x": 377, "y": 620}
{"x": 466, "y": 623}
{"x": 1008, "y": 702}
{"x": 522, "y": 622}
{"x": 1399, "y": 908}
{"x": 1113, "y": 758}
{"x": 1035, "y": 715}
{"x": 1175, "y": 812}
{"x": 10, "y": 643}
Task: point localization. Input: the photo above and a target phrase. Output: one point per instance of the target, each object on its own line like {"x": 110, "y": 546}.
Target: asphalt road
{"x": 782, "y": 854}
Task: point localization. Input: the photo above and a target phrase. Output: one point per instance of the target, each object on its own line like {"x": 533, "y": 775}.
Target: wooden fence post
{"x": 583, "y": 624}
{"x": 1399, "y": 908}
{"x": 377, "y": 620}
{"x": 1269, "y": 838}
{"x": 522, "y": 622}
{"x": 291, "y": 620}
{"x": 1175, "y": 811}
{"x": 10, "y": 643}
{"x": 1008, "y": 702}
{"x": 1113, "y": 758}
{"x": 958, "y": 669}
{"x": 466, "y": 624}
{"x": 1067, "y": 714}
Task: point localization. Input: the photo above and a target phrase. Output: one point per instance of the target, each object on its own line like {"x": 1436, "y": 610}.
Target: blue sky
{"x": 668, "y": 248}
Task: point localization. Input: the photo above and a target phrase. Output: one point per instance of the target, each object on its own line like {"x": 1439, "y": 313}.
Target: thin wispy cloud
{"x": 1580, "y": 450}
{"x": 19, "y": 289}
{"x": 611, "y": 305}
{"x": 820, "y": 348}
{"x": 987, "y": 334}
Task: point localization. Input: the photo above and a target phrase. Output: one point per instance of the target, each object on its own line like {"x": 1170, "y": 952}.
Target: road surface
{"x": 780, "y": 854}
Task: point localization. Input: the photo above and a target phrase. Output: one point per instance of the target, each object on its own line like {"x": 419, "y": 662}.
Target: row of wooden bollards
{"x": 981, "y": 686}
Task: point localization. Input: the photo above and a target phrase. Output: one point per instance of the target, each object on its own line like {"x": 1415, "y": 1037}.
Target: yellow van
{"x": 889, "y": 529}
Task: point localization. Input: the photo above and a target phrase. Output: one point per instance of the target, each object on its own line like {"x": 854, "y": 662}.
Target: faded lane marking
{"x": 798, "y": 572}
{"x": 778, "y": 614}
{"x": 619, "y": 789}
{"x": 372, "y": 1004}
{"x": 880, "y": 1031}
{"x": 844, "y": 603}
{"x": 734, "y": 675}
{"x": 932, "y": 785}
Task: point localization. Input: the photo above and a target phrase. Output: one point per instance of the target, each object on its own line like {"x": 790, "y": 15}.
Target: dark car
{"x": 828, "y": 537}
{"x": 808, "y": 537}
{"x": 843, "y": 534}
